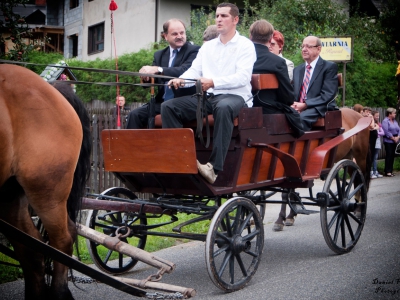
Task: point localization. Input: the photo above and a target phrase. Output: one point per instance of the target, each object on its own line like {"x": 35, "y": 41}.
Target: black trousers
{"x": 390, "y": 149}
{"x": 139, "y": 117}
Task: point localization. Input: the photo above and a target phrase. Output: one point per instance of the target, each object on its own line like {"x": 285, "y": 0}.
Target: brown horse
{"x": 356, "y": 147}
{"x": 44, "y": 163}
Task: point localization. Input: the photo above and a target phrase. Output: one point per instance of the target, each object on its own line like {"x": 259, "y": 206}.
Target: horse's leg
{"x": 291, "y": 216}
{"x": 59, "y": 228}
{"x": 50, "y": 204}
{"x": 279, "y": 223}
{"x": 15, "y": 211}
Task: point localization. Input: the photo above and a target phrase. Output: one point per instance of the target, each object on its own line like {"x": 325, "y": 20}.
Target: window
{"x": 96, "y": 38}
{"x": 73, "y": 4}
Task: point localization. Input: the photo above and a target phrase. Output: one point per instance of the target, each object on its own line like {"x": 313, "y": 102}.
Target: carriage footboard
{"x": 150, "y": 151}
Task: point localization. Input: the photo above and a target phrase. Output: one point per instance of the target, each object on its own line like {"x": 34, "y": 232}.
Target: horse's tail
{"x": 82, "y": 170}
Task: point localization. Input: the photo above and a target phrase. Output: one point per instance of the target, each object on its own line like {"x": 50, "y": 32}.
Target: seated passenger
{"x": 273, "y": 101}
{"x": 276, "y": 47}
{"x": 210, "y": 33}
{"x": 315, "y": 89}
{"x": 171, "y": 61}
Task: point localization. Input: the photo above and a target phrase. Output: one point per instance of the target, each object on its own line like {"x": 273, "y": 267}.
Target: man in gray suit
{"x": 315, "y": 83}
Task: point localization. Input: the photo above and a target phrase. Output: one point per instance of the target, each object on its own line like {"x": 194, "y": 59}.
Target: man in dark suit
{"x": 166, "y": 62}
{"x": 273, "y": 101}
{"x": 315, "y": 83}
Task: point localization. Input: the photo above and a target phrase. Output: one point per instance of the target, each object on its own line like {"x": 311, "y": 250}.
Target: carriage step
{"x": 307, "y": 211}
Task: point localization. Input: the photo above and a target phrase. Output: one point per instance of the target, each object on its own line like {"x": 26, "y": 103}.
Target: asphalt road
{"x": 296, "y": 263}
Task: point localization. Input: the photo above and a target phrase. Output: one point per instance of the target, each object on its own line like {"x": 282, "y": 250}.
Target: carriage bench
{"x": 258, "y": 82}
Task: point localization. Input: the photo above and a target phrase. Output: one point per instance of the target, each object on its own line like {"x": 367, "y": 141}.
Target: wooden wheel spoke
{"x": 246, "y": 222}
{"x": 241, "y": 265}
{"x": 333, "y": 208}
{"x": 355, "y": 191}
{"x": 332, "y": 221}
{"x": 251, "y": 235}
{"x": 235, "y": 225}
{"x": 350, "y": 183}
{"x": 223, "y": 236}
{"x": 355, "y": 219}
{"x": 232, "y": 268}
{"x": 225, "y": 261}
{"x": 349, "y": 228}
{"x": 337, "y": 179}
{"x": 107, "y": 257}
{"x": 343, "y": 232}
{"x": 344, "y": 182}
{"x": 228, "y": 225}
{"x": 251, "y": 253}
{"x": 334, "y": 196}
{"x": 337, "y": 228}
{"x": 221, "y": 250}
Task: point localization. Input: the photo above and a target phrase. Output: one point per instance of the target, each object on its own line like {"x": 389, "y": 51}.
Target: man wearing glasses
{"x": 315, "y": 83}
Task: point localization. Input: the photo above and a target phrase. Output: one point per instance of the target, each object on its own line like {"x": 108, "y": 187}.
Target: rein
{"x": 127, "y": 73}
{"x": 201, "y": 113}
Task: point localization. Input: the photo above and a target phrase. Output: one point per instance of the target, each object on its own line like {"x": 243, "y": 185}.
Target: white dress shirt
{"x": 229, "y": 65}
{"x": 290, "y": 66}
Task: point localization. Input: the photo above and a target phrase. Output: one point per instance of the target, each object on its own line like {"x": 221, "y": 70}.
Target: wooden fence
{"x": 102, "y": 118}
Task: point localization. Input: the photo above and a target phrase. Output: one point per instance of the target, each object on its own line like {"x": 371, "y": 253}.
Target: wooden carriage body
{"x": 262, "y": 153}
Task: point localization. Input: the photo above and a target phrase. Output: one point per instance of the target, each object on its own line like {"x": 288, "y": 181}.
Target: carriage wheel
{"x": 261, "y": 206}
{"x": 234, "y": 244}
{"x": 107, "y": 222}
{"x": 342, "y": 220}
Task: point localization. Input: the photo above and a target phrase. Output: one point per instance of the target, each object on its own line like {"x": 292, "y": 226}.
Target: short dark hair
{"x": 234, "y": 9}
{"x": 210, "y": 33}
{"x": 166, "y": 24}
{"x": 261, "y": 31}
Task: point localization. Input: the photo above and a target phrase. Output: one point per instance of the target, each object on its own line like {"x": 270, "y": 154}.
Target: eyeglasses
{"x": 307, "y": 46}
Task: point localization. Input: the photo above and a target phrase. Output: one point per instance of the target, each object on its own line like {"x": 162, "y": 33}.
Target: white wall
{"x": 133, "y": 26}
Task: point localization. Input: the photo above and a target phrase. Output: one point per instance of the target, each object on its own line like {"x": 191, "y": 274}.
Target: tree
{"x": 389, "y": 19}
{"x": 15, "y": 29}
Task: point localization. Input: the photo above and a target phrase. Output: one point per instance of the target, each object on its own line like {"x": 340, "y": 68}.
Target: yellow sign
{"x": 339, "y": 49}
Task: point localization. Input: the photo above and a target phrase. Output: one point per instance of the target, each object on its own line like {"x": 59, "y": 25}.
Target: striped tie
{"x": 304, "y": 87}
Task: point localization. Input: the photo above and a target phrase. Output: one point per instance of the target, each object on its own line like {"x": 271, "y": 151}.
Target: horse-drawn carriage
{"x": 263, "y": 158}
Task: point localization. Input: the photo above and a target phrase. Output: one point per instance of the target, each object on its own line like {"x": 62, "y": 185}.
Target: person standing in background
{"x": 390, "y": 139}
{"x": 119, "y": 105}
{"x": 378, "y": 146}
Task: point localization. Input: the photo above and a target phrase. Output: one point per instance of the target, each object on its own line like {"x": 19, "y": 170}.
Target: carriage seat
{"x": 193, "y": 124}
{"x": 258, "y": 82}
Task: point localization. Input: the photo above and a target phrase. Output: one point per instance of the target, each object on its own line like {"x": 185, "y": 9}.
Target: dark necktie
{"x": 169, "y": 94}
{"x": 306, "y": 82}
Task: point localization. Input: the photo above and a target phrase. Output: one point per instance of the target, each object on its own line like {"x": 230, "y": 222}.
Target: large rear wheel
{"x": 343, "y": 218}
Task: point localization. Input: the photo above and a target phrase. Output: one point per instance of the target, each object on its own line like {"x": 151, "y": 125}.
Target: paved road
{"x": 296, "y": 264}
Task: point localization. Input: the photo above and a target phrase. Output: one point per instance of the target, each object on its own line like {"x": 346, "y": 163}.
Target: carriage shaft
{"x": 114, "y": 243}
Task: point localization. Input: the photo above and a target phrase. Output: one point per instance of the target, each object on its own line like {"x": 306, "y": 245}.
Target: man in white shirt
{"x": 224, "y": 66}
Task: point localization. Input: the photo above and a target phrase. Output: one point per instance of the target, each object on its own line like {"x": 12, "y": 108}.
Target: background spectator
{"x": 390, "y": 139}
{"x": 378, "y": 146}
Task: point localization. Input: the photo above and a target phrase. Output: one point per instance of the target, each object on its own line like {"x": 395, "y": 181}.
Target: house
{"x": 82, "y": 28}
